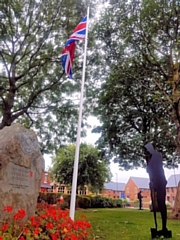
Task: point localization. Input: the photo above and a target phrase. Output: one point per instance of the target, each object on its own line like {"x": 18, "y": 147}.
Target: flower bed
{"x": 50, "y": 222}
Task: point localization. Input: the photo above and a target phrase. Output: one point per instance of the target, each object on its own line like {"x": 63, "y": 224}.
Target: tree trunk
{"x": 8, "y": 102}
{"x": 176, "y": 209}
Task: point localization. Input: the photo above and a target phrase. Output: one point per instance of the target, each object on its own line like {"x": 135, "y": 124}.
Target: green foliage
{"x": 67, "y": 199}
{"x": 49, "y": 198}
{"x": 92, "y": 169}
{"x": 103, "y": 202}
{"x": 83, "y": 201}
{"x": 136, "y": 106}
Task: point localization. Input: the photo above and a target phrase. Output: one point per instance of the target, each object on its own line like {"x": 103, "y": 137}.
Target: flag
{"x": 79, "y": 33}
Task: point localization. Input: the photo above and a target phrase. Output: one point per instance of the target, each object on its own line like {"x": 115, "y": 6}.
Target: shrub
{"x": 83, "y": 202}
{"x": 52, "y": 198}
{"x": 67, "y": 199}
{"x": 119, "y": 203}
{"x": 126, "y": 203}
{"x": 103, "y": 202}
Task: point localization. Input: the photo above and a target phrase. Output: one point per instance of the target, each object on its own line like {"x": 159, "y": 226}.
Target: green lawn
{"x": 125, "y": 224}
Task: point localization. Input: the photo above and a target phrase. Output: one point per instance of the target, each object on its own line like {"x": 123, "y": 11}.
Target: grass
{"x": 125, "y": 224}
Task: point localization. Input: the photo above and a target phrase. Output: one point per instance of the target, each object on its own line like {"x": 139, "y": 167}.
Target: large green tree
{"x": 139, "y": 101}
{"x": 92, "y": 169}
{"x": 33, "y": 87}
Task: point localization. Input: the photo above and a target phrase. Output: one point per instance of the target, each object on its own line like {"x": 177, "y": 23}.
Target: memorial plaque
{"x": 18, "y": 178}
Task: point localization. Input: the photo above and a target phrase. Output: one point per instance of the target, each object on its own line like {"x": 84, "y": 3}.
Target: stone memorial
{"x": 21, "y": 166}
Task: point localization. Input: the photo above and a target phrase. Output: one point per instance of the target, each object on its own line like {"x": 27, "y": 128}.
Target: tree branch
{"x": 32, "y": 98}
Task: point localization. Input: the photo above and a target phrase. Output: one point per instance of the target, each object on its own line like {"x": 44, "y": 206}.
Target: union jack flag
{"x": 79, "y": 33}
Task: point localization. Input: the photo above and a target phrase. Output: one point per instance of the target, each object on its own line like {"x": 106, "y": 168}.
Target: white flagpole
{"x": 76, "y": 160}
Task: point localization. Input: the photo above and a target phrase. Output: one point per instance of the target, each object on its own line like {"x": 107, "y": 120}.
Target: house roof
{"x": 115, "y": 186}
{"x": 173, "y": 180}
{"x": 141, "y": 182}
{"x": 45, "y": 185}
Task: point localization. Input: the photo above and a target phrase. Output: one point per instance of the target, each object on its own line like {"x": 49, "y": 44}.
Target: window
{"x": 142, "y": 190}
{"x": 168, "y": 199}
{"x": 82, "y": 192}
{"x": 50, "y": 190}
{"x": 167, "y": 189}
{"x": 172, "y": 189}
{"x": 61, "y": 189}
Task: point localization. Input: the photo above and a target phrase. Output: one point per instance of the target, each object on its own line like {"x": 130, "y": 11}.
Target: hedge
{"x": 82, "y": 201}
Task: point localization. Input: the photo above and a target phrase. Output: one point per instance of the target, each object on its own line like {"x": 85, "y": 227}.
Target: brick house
{"x": 134, "y": 185}
{"x": 45, "y": 183}
{"x": 67, "y": 190}
{"x": 171, "y": 188}
{"x": 114, "y": 190}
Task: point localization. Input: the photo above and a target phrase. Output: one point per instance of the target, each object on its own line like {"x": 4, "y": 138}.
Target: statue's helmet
{"x": 149, "y": 147}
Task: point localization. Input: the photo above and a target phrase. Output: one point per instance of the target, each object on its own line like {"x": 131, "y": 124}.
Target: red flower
{"x": 34, "y": 221}
{"x": 74, "y": 237}
{"x": 36, "y": 231}
{"x": 49, "y": 225}
{"x": 31, "y": 174}
{"x": 25, "y": 231}
{"x": 7, "y": 209}
{"x": 1, "y": 238}
{"x": 20, "y": 214}
{"x": 83, "y": 216}
{"x": 4, "y": 227}
{"x": 61, "y": 199}
{"x": 43, "y": 216}
{"x": 21, "y": 238}
{"x": 54, "y": 237}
